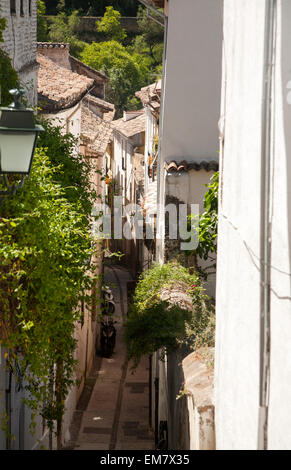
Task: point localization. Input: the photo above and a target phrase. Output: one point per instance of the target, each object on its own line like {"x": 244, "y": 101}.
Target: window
{"x": 21, "y": 8}
{"x": 29, "y": 7}
{"x": 123, "y": 156}
{"x": 13, "y": 7}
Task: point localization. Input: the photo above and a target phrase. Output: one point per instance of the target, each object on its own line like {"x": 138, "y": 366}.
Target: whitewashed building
{"x": 125, "y": 167}
{"x": 187, "y": 158}
{"x": 253, "y": 310}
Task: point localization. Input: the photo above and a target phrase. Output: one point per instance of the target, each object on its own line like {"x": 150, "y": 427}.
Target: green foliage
{"x": 8, "y": 76}
{"x": 110, "y": 25}
{"x": 42, "y": 29}
{"x": 151, "y": 32}
{"x": 73, "y": 175}
{"x": 44, "y": 251}
{"x": 148, "y": 46}
{"x": 64, "y": 28}
{"x": 94, "y": 7}
{"x": 208, "y": 220}
{"x": 154, "y": 323}
{"x": 154, "y": 328}
{"x": 125, "y": 73}
{"x": 2, "y": 27}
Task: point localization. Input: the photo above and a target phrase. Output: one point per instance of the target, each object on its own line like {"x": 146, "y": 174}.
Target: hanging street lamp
{"x": 18, "y": 136}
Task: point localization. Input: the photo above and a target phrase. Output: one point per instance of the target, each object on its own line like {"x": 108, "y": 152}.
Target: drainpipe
{"x": 265, "y": 272}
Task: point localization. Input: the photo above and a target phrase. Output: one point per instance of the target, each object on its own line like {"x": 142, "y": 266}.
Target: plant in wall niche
{"x": 208, "y": 222}
{"x": 156, "y": 323}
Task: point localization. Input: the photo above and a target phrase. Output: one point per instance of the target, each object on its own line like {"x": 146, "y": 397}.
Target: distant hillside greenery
{"x": 93, "y": 7}
{"x": 130, "y": 62}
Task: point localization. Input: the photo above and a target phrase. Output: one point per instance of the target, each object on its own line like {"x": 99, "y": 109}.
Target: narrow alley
{"x": 113, "y": 410}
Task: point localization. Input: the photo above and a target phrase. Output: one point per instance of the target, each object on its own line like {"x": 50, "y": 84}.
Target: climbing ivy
{"x": 45, "y": 274}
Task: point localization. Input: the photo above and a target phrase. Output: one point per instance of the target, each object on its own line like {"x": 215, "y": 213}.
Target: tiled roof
{"x": 105, "y": 108}
{"x": 53, "y": 45}
{"x": 131, "y": 127}
{"x": 108, "y": 117}
{"x": 100, "y": 103}
{"x": 174, "y": 167}
{"x": 80, "y": 67}
{"x": 146, "y": 93}
{"x": 95, "y": 132}
{"x": 58, "y": 87}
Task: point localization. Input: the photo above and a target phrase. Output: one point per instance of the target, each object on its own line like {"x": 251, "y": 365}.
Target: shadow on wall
{"x": 286, "y": 99}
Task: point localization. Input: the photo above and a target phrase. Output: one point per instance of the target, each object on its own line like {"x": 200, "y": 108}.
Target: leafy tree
{"x": 64, "y": 29}
{"x": 110, "y": 25}
{"x": 94, "y": 7}
{"x": 151, "y": 32}
{"x": 42, "y": 29}
{"x": 126, "y": 74}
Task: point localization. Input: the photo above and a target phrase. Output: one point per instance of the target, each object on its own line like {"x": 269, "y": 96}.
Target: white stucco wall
{"x": 192, "y": 80}
{"x": 191, "y": 89}
{"x": 189, "y": 188}
{"x": 68, "y": 119}
{"x": 123, "y": 148}
{"x": 237, "y": 364}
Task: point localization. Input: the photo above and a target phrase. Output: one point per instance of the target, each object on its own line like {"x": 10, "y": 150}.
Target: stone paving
{"x": 113, "y": 411}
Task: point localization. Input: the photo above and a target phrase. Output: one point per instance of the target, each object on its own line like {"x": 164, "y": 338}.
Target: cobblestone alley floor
{"x": 112, "y": 413}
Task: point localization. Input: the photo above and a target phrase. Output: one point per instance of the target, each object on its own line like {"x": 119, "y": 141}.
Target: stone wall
{"x": 20, "y": 43}
{"x": 191, "y": 402}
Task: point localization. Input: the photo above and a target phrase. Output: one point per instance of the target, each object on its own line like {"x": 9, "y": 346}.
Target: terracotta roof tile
{"x": 131, "y": 127}
{"x": 147, "y": 93}
{"x": 95, "y": 132}
{"x": 58, "y": 87}
{"x": 174, "y": 167}
{"x": 100, "y": 103}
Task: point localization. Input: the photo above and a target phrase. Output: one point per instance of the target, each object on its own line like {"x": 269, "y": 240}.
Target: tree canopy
{"x": 126, "y": 74}
{"x": 110, "y": 25}
{"x": 93, "y": 7}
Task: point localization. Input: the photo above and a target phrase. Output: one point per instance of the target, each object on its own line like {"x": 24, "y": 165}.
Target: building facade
{"x": 188, "y": 148}
{"x": 20, "y": 42}
{"x": 253, "y": 358}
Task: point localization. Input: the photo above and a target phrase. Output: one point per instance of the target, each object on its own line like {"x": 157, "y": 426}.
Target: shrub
{"x": 156, "y": 323}
{"x": 126, "y": 73}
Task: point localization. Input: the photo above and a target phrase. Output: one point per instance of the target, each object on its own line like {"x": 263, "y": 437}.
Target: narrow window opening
{"x": 13, "y": 7}
{"x": 21, "y": 8}
{"x": 29, "y": 7}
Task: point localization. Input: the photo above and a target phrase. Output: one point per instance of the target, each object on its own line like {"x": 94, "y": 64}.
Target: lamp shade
{"x": 18, "y": 135}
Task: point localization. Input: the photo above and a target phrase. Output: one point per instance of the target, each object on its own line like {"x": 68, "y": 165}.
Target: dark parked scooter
{"x": 108, "y": 337}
